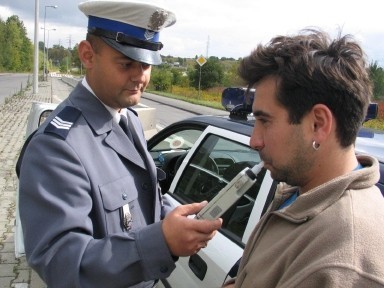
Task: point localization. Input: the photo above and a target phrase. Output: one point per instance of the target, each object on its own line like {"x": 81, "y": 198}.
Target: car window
{"x": 183, "y": 139}
{"x": 168, "y": 153}
{"x": 214, "y": 164}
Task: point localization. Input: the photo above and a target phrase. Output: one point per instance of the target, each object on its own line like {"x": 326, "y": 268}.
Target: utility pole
{"x": 206, "y": 56}
{"x": 47, "y": 66}
{"x": 201, "y": 61}
{"x": 68, "y": 53}
{"x": 45, "y": 61}
{"x": 36, "y": 51}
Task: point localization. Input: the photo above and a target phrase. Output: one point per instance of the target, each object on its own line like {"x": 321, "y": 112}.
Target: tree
{"x": 231, "y": 76}
{"x": 177, "y": 77}
{"x": 377, "y": 77}
{"x": 41, "y": 45}
{"x": 161, "y": 78}
{"x": 16, "y": 49}
{"x": 2, "y": 41}
{"x": 75, "y": 57}
{"x": 26, "y": 55}
{"x": 212, "y": 74}
{"x": 12, "y": 46}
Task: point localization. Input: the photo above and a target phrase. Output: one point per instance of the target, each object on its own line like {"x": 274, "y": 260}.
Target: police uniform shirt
{"x": 115, "y": 114}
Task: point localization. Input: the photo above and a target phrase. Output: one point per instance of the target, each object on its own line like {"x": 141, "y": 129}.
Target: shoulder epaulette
{"x": 63, "y": 121}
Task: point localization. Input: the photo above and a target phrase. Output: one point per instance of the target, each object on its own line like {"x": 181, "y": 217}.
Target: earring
{"x": 315, "y": 145}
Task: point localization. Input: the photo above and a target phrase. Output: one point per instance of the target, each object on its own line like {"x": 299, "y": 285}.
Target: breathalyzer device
{"x": 230, "y": 193}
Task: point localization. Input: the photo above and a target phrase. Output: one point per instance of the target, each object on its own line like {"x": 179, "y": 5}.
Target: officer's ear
{"x": 86, "y": 53}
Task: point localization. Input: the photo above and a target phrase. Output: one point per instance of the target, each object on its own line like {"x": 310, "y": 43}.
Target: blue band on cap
{"x": 133, "y": 31}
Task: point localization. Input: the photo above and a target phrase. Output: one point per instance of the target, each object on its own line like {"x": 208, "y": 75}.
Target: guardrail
{"x": 146, "y": 114}
{"x": 70, "y": 80}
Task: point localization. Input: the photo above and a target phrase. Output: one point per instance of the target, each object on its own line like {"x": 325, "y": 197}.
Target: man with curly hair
{"x": 325, "y": 225}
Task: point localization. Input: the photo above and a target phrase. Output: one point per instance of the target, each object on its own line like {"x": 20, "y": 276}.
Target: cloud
{"x": 224, "y": 28}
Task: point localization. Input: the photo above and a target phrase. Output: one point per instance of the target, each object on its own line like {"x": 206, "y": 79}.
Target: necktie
{"x": 124, "y": 125}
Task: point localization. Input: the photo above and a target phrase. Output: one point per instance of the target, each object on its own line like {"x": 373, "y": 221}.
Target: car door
{"x": 37, "y": 115}
{"x": 199, "y": 171}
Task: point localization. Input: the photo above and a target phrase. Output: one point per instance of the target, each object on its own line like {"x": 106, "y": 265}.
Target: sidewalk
{"x": 15, "y": 273}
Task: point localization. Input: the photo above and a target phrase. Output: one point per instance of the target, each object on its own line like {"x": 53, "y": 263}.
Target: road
{"x": 12, "y": 83}
{"x": 165, "y": 114}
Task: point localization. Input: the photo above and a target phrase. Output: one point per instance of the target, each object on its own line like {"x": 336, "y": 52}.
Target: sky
{"x": 221, "y": 28}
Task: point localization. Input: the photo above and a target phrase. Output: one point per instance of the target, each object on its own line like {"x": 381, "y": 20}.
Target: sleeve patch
{"x": 63, "y": 121}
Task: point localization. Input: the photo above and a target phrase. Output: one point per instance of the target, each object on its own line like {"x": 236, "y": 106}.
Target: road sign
{"x": 201, "y": 60}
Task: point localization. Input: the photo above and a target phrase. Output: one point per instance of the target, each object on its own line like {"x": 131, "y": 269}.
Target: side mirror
{"x": 44, "y": 116}
{"x": 238, "y": 101}
{"x": 372, "y": 111}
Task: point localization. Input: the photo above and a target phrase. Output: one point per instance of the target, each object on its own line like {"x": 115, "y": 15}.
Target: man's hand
{"x": 230, "y": 283}
{"x": 186, "y": 236}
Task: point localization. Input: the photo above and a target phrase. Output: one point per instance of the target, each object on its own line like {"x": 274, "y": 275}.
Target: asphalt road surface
{"x": 165, "y": 114}
{"x": 13, "y": 83}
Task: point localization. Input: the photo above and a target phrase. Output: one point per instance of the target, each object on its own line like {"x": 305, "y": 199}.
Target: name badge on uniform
{"x": 127, "y": 217}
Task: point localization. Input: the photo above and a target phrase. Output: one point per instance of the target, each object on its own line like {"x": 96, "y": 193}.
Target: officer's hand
{"x": 186, "y": 236}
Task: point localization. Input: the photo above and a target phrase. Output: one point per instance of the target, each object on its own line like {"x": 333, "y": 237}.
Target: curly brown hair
{"x": 312, "y": 69}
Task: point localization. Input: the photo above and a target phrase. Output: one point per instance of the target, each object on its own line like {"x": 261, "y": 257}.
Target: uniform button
{"x": 163, "y": 269}
{"x": 124, "y": 196}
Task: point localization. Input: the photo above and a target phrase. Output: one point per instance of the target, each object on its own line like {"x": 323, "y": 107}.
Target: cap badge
{"x": 157, "y": 20}
{"x": 149, "y": 34}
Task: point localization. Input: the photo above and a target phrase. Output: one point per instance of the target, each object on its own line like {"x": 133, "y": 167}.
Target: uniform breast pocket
{"x": 120, "y": 205}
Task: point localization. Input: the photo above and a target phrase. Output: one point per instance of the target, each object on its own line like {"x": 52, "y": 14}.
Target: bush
{"x": 161, "y": 79}
{"x": 378, "y": 123}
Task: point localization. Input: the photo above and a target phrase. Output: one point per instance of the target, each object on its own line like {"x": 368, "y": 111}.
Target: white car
{"x": 200, "y": 155}
{"x": 38, "y": 113}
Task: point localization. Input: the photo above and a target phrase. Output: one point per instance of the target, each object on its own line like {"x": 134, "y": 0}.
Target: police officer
{"x": 90, "y": 203}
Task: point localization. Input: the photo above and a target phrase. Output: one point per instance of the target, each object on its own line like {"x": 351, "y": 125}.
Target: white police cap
{"x": 130, "y": 28}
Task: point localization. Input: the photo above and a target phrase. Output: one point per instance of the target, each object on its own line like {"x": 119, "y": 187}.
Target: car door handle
{"x": 198, "y": 266}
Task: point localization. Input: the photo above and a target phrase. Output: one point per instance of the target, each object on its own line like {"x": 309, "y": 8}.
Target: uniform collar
{"x": 115, "y": 114}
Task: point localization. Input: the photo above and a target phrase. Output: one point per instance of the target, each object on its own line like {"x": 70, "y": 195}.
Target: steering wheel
{"x": 211, "y": 165}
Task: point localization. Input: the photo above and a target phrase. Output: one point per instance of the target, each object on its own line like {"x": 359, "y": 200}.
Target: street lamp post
{"x": 53, "y": 29}
{"x": 45, "y": 15}
{"x": 36, "y": 51}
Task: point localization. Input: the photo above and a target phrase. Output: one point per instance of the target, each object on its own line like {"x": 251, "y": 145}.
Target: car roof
{"x": 371, "y": 142}
{"x": 368, "y": 141}
{"x": 242, "y": 126}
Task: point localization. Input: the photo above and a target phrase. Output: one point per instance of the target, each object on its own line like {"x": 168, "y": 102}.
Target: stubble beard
{"x": 294, "y": 172}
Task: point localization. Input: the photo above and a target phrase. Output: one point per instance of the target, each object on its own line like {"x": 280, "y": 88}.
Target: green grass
{"x": 376, "y": 124}
{"x": 212, "y": 98}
